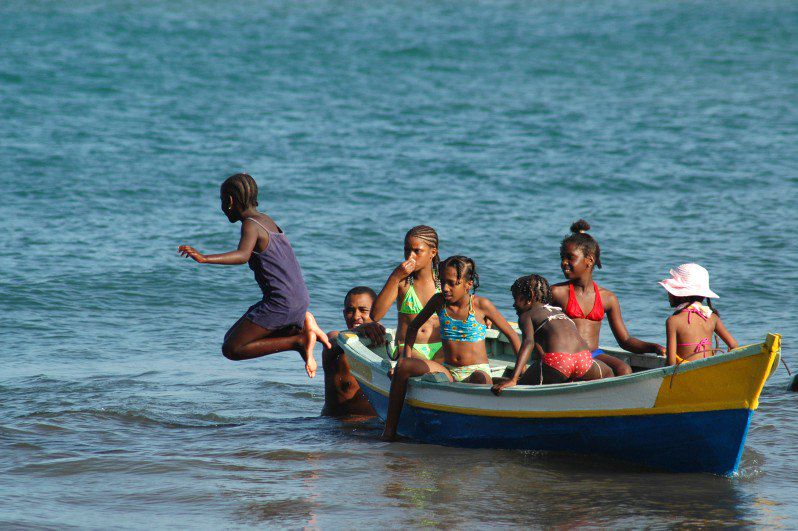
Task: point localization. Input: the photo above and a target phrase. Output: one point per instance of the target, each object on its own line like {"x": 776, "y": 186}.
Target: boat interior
{"x": 502, "y": 359}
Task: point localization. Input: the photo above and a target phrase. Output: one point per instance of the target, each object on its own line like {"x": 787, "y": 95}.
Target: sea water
{"x": 669, "y": 126}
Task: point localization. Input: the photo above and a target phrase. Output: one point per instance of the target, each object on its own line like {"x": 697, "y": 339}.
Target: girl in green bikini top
{"x": 411, "y": 285}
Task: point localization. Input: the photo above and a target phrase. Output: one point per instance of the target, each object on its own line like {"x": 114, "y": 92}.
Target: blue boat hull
{"x": 707, "y": 441}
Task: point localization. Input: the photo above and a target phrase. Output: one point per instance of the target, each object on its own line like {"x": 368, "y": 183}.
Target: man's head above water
{"x": 357, "y": 306}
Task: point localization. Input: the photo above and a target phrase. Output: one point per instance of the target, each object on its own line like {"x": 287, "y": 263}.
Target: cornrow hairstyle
{"x": 465, "y": 267}
{"x": 428, "y": 235}
{"x": 360, "y": 290}
{"x": 243, "y": 189}
{"x": 532, "y": 288}
{"x": 583, "y": 241}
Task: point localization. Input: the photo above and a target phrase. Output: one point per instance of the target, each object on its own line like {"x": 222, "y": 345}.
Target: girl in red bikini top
{"x": 579, "y": 255}
{"x": 574, "y": 311}
{"x": 692, "y": 325}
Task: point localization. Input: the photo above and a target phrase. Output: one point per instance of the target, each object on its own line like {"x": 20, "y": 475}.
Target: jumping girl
{"x": 462, "y": 317}
{"x": 280, "y": 321}
{"x": 579, "y": 254}
{"x": 562, "y": 354}
{"x": 412, "y": 284}
{"x": 692, "y": 325}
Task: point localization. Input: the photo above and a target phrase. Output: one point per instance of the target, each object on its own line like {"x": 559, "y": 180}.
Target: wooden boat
{"x": 690, "y": 418}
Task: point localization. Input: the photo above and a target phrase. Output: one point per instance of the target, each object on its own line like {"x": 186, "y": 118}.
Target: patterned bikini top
{"x": 411, "y": 304}
{"x": 468, "y": 331}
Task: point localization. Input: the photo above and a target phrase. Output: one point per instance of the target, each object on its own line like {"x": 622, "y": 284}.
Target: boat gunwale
{"x": 378, "y": 364}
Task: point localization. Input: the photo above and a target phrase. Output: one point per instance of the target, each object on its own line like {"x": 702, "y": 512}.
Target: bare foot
{"x": 307, "y": 340}
{"x": 311, "y": 324}
{"x": 310, "y": 366}
{"x": 387, "y": 438}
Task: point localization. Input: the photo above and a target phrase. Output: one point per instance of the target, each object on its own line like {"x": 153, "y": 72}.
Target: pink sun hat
{"x": 689, "y": 280}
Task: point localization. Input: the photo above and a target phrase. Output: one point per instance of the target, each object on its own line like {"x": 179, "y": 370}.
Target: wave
{"x": 139, "y": 418}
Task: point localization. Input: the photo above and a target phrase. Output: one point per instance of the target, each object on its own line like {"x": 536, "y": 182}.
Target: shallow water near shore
{"x": 670, "y": 126}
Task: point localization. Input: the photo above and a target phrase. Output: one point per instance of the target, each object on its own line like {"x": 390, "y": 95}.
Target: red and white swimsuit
{"x": 570, "y": 365}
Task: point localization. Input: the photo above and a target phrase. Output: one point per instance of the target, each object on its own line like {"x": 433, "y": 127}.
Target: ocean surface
{"x": 671, "y": 126}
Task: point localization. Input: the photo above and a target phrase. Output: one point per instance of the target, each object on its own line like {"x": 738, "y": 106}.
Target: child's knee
{"x": 404, "y": 369}
{"x": 622, "y": 370}
{"x": 230, "y": 352}
{"x": 480, "y": 377}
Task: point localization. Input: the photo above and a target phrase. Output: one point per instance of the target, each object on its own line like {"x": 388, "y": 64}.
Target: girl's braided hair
{"x": 243, "y": 189}
{"x": 532, "y": 288}
{"x": 465, "y": 267}
{"x": 583, "y": 241}
{"x": 429, "y": 236}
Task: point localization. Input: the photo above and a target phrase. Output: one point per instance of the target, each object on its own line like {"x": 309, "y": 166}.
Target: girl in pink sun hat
{"x": 692, "y": 325}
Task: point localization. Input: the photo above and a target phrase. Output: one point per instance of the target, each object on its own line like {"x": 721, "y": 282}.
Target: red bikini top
{"x": 574, "y": 311}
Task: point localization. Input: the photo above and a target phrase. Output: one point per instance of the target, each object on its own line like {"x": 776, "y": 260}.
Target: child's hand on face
{"x": 406, "y": 267}
{"x": 190, "y": 252}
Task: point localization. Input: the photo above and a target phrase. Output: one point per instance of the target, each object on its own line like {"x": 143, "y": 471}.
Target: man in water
{"x": 342, "y": 394}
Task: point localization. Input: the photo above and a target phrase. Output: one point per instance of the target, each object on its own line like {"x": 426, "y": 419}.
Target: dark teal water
{"x": 670, "y": 126}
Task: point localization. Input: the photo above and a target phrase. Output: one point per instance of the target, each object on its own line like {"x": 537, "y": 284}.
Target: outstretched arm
{"x": 524, "y": 354}
{"x": 249, "y": 237}
{"x": 390, "y": 290}
{"x": 622, "y": 335}
{"x": 435, "y": 303}
{"x": 501, "y": 323}
{"x": 725, "y": 335}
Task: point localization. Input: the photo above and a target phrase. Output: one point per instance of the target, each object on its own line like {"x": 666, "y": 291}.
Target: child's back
{"x": 692, "y": 325}
{"x": 554, "y": 331}
{"x": 561, "y": 353}
{"x": 277, "y": 272}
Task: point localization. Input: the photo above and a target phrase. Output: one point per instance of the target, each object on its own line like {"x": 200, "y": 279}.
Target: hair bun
{"x": 580, "y": 226}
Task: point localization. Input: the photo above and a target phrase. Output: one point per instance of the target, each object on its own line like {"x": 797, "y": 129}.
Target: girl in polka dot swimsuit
{"x": 562, "y": 354}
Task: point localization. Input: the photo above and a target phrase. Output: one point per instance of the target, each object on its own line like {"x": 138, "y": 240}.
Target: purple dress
{"x": 285, "y": 296}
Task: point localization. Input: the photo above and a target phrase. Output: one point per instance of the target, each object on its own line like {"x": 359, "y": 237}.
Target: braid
{"x": 429, "y": 236}
{"x": 243, "y": 189}
{"x": 541, "y": 289}
{"x": 522, "y": 287}
{"x": 709, "y": 303}
{"x": 465, "y": 267}
{"x": 532, "y": 288}
{"x": 583, "y": 241}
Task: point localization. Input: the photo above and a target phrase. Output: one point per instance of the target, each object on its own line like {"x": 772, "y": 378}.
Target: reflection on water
{"x": 456, "y": 487}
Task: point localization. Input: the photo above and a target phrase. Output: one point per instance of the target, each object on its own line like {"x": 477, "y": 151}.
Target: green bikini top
{"x": 411, "y": 303}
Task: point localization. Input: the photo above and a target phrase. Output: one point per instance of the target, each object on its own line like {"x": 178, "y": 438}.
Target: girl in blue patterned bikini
{"x": 411, "y": 285}
{"x": 463, "y": 318}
